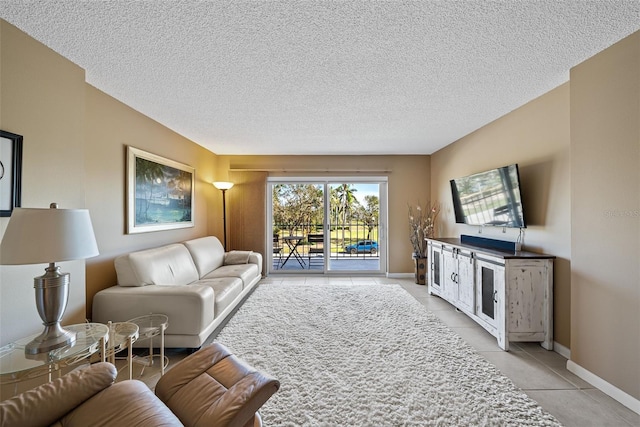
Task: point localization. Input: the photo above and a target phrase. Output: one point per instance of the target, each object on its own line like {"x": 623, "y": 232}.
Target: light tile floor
{"x": 540, "y": 373}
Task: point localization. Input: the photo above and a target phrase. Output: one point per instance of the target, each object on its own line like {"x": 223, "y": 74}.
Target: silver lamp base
{"x": 53, "y": 337}
{"x": 52, "y": 294}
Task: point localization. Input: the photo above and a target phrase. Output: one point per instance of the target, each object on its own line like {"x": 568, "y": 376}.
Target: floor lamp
{"x": 36, "y": 236}
{"x": 224, "y": 186}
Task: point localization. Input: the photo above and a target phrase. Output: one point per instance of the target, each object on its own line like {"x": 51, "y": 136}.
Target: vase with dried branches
{"x": 422, "y": 220}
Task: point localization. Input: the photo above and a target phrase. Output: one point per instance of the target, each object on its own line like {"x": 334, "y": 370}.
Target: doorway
{"x": 325, "y": 226}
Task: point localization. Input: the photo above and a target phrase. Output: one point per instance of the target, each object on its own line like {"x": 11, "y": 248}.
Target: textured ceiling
{"x": 325, "y": 77}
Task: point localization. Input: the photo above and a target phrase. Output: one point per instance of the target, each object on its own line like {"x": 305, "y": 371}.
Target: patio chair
{"x": 316, "y": 248}
{"x": 277, "y": 251}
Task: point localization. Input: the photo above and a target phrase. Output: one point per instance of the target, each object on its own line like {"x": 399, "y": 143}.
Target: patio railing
{"x": 342, "y": 239}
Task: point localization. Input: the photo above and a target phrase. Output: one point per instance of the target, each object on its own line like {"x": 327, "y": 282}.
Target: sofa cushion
{"x": 245, "y": 272}
{"x": 207, "y": 253}
{"x": 237, "y": 257}
{"x": 225, "y": 290}
{"x": 166, "y": 265}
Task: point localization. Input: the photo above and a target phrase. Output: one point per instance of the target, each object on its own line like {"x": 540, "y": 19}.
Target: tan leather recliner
{"x": 211, "y": 387}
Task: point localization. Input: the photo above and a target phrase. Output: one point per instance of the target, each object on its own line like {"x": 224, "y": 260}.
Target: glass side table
{"x": 122, "y": 335}
{"x": 16, "y": 365}
{"x": 150, "y": 326}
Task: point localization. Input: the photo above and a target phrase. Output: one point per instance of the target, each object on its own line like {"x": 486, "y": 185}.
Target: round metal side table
{"x": 122, "y": 335}
{"x": 150, "y": 326}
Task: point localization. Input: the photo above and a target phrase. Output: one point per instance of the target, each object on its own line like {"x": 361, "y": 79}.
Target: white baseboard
{"x": 400, "y": 275}
{"x": 604, "y": 386}
{"x": 562, "y": 350}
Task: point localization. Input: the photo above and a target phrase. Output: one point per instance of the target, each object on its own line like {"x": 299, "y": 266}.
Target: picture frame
{"x": 160, "y": 193}
{"x": 10, "y": 172}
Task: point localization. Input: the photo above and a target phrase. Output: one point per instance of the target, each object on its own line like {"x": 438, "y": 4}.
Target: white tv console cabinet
{"x": 510, "y": 294}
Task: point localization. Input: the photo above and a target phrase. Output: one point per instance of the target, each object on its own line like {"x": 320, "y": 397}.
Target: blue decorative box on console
{"x": 485, "y": 242}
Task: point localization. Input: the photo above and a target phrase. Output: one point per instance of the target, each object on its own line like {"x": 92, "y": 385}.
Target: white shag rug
{"x": 369, "y": 355}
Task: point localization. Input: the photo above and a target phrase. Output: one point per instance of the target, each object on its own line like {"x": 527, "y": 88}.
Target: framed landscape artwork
{"x": 160, "y": 193}
{"x": 10, "y": 172}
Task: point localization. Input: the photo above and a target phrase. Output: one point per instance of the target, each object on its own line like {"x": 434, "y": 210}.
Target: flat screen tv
{"x": 489, "y": 198}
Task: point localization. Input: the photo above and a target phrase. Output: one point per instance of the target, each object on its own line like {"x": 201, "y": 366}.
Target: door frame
{"x": 326, "y": 182}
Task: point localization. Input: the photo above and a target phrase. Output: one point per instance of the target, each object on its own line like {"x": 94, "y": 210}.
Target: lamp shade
{"x": 36, "y": 236}
{"x": 223, "y": 185}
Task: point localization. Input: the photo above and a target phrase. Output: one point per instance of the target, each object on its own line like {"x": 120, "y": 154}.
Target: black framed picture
{"x": 10, "y": 171}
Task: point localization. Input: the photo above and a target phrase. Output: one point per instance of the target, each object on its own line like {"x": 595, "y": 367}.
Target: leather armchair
{"x": 226, "y": 391}
{"x": 209, "y": 387}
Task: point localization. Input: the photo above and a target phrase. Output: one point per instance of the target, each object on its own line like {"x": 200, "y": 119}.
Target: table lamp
{"x": 224, "y": 186}
{"x": 36, "y": 236}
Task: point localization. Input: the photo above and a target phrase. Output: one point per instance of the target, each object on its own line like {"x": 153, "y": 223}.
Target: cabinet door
{"x": 435, "y": 269}
{"x": 450, "y": 276}
{"x": 527, "y": 307}
{"x": 490, "y": 298}
{"x": 466, "y": 281}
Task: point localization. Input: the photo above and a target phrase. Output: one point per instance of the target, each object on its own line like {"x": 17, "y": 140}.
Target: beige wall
{"x": 110, "y": 127}
{"x": 605, "y": 193}
{"x": 42, "y": 99}
{"x": 408, "y": 182}
{"x": 536, "y": 136}
{"x": 75, "y": 139}
{"x": 578, "y": 148}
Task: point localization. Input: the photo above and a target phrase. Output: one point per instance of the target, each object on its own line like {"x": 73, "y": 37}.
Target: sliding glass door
{"x": 354, "y": 222}
{"x": 297, "y": 219}
{"x": 326, "y": 226}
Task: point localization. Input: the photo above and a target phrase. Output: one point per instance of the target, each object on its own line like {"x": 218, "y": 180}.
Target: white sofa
{"x": 195, "y": 283}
